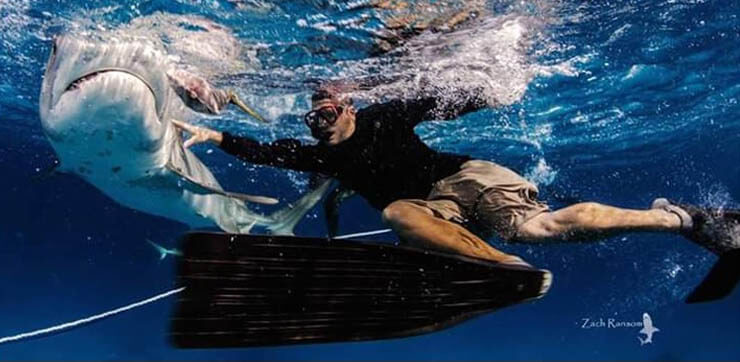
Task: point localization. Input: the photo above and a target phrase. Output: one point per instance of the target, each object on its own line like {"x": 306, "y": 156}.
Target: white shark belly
{"x": 107, "y": 128}
{"x": 108, "y": 133}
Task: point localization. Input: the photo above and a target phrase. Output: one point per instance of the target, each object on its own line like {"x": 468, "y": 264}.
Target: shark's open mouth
{"x": 78, "y": 82}
{"x": 88, "y": 76}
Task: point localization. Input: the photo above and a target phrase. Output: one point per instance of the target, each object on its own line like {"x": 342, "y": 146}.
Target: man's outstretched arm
{"x": 287, "y": 153}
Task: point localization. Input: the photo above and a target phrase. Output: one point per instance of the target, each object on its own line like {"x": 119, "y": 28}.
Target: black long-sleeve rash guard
{"x": 383, "y": 160}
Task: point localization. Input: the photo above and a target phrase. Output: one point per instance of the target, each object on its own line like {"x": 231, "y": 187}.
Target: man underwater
{"x": 434, "y": 199}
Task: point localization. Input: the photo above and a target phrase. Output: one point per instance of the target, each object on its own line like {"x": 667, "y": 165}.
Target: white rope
{"x": 367, "y": 233}
{"x": 88, "y": 319}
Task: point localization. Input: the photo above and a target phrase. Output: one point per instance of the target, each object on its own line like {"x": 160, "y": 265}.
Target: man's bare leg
{"x": 419, "y": 227}
{"x": 591, "y": 221}
{"x": 403, "y": 20}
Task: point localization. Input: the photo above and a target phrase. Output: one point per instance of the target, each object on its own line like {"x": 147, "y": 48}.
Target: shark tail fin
{"x": 284, "y": 220}
{"x": 247, "y": 224}
{"x": 162, "y": 251}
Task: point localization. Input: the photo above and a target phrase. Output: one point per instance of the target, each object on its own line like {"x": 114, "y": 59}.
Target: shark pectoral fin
{"x": 199, "y": 188}
{"x": 234, "y": 99}
{"x": 265, "y": 200}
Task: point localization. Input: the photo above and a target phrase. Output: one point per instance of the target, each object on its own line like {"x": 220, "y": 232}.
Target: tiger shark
{"x": 106, "y": 108}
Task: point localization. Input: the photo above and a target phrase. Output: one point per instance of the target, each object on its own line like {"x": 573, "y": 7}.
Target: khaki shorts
{"x": 485, "y": 197}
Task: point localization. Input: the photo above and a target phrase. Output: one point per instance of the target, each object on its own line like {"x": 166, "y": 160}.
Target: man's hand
{"x": 198, "y": 134}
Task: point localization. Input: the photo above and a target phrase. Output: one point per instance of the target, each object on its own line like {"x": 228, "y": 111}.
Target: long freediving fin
{"x": 254, "y": 290}
{"x": 199, "y": 188}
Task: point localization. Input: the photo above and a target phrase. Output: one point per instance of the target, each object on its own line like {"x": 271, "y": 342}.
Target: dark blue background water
{"x": 652, "y": 110}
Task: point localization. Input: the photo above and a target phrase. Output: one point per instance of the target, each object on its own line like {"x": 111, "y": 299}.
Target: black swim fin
{"x": 250, "y": 290}
{"x": 719, "y": 231}
{"x": 720, "y": 281}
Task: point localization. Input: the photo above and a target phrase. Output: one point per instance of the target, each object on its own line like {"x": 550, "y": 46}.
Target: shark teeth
{"x": 76, "y": 84}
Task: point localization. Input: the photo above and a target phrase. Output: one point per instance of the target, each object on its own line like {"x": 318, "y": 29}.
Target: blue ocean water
{"x": 617, "y": 102}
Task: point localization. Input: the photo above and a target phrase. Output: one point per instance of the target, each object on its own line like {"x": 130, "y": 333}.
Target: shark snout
{"x": 112, "y": 109}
